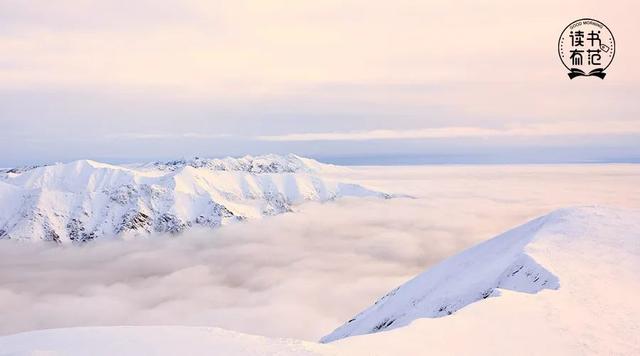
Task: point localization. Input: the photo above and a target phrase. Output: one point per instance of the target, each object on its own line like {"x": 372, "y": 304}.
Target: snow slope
{"x": 564, "y": 283}
{"x": 475, "y": 274}
{"x": 153, "y": 340}
{"x": 84, "y": 200}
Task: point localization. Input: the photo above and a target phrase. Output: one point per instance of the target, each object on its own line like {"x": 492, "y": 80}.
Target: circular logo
{"x": 586, "y": 48}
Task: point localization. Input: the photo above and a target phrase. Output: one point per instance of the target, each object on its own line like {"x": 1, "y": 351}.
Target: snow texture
{"x": 506, "y": 262}
{"x": 153, "y": 340}
{"x": 84, "y": 200}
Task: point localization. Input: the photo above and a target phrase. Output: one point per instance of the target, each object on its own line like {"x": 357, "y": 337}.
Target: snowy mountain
{"x": 84, "y": 200}
{"x": 565, "y": 256}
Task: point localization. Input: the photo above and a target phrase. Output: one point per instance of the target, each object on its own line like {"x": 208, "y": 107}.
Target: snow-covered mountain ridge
{"x": 554, "y": 252}
{"x": 260, "y": 164}
{"x": 84, "y": 200}
{"x": 269, "y": 163}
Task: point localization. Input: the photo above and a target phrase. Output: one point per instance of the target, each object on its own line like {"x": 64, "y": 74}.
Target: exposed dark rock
{"x": 276, "y": 204}
{"x": 19, "y": 170}
{"x": 123, "y": 194}
{"x": 134, "y": 220}
{"x": 169, "y": 223}
{"x": 383, "y": 325}
{"x": 77, "y": 231}
{"x": 51, "y": 235}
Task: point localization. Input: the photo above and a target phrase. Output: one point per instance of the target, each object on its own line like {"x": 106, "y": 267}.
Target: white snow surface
{"x": 475, "y": 274}
{"x": 562, "y": 284}
{"x": 84, "y": 200}
{"x": 565, "y": 283}
{"x": 153, "y": 340}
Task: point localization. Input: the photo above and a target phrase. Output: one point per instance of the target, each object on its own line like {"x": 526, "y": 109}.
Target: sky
{"x": 343, "y": 81}
{"x": 297, "y": 275}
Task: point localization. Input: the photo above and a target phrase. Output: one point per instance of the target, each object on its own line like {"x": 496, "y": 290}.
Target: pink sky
{"x": 252, "y": 69}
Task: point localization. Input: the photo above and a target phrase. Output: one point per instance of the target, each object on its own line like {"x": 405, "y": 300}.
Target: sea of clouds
{"x": 300, "y": 274}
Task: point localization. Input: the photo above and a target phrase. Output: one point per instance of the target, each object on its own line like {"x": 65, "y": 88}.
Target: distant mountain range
{"x": 84, "y": 200}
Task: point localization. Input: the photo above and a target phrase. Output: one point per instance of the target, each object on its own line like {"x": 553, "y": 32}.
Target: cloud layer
{"x": 550, "y": 129}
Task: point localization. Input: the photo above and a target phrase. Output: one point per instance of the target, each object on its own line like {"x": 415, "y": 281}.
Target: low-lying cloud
{"x": 296, "y": 275}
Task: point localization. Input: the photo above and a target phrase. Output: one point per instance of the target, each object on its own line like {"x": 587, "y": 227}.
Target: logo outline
{"x": 574, "y": 72}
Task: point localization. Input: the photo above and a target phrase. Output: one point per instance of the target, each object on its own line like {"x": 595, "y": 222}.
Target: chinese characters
{"x": 578, "y": 44}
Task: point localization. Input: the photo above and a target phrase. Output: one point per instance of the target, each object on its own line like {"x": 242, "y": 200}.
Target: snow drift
{"x": 84, "y": 200}
{"x": 154, "y": 340}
